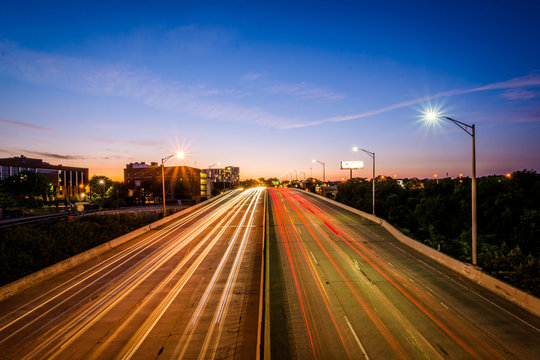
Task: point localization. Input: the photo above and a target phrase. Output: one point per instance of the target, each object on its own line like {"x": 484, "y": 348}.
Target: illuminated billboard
{"x": 352, "y": 164}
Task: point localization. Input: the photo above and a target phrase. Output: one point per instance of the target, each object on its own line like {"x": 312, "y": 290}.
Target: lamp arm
{"x": 465, "y": 127}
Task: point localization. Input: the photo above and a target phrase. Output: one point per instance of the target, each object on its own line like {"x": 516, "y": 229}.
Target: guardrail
{"x": 519, "y": 297}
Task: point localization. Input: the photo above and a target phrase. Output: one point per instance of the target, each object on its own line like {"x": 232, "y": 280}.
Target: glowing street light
{"x": 372, "y": 154}
{"x": 179, "y": 155}
{"x": 432, "y": 116}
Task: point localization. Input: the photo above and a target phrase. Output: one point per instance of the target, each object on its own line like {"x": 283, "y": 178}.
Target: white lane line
{"x": 476, "y": 293}
{"x": 313, "y": 256}
{"x": 446, "y": 307}
{"x": 357, "y": 339}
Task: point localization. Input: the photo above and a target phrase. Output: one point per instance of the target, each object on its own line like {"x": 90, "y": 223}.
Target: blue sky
{"x": 268, "y": 86}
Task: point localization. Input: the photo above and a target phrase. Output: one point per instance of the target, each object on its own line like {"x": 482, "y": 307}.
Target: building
{"x": 225, "y": 178}
{"x": 138, "y": 175}
{"x": 65, "y": 180}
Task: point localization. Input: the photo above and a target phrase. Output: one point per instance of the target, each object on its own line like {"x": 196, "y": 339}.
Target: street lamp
{"x": 372, "y": 154}
{"x": 323, "y": 174}
{"x": 179, "y": 155}
{"x": 432, "y": 116}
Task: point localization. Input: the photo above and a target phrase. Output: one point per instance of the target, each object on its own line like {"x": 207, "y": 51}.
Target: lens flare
{"x": 431, "y": 114}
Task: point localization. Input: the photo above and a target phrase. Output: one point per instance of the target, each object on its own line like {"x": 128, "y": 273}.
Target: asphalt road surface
{"x": 342, "y": 287}
{"x": 189, "y": 289}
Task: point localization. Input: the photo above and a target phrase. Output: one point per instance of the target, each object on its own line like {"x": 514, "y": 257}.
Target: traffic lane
{"x": 474, "y": 303}
{"x": 40, "y": 293}
{"x": 236, "y": 320}
{"x": 76, "y": 281}
{"x": 316, "y": 325}
{"x": 383, "y": 337}
{"x": 463, "y": 304}
{"x": 121, "y": 340}
{"x": 44, "y": 320}
{"x": 443, "y": 324}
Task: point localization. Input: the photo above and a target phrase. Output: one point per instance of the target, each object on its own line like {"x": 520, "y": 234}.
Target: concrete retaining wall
{"x": 29, "y": 280}
{"x": 518, "y": 297}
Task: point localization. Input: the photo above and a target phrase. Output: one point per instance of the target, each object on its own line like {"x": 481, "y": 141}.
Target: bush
{"x": 25, "y": 249}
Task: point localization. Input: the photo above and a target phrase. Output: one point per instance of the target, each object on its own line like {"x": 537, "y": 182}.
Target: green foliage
{"x": 439, "y": 214}
{"x": 26, "y": 189}
{"x": 25, "y": 249}
{"x": 100, "y": 184}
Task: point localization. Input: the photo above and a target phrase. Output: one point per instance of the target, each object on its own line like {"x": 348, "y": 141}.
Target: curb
{"x": 519, "y": 297}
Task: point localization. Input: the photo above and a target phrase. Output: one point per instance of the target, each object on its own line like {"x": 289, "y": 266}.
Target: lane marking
{"x": 357, "y": 339}
{"x": 313, "y": 256}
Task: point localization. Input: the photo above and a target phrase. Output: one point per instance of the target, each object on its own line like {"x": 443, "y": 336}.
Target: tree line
{"x": 27, "y": 248}
{"x": 437, "y": 212}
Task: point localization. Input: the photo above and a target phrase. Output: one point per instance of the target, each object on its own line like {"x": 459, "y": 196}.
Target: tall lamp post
{"x": 372, "y": 154}
{"x": 432, "y": 116}
{"x": 179, "y": 155}
{"x": 323, "y": 174}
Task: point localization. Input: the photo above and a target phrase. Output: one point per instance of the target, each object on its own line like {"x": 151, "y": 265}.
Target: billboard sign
{"x": 352, "y": 164}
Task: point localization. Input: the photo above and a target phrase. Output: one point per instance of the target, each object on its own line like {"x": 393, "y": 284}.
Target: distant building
{"x": 65, "y": 180}
{"x": 226, "y": 178}
{"x": 137, "y": 174}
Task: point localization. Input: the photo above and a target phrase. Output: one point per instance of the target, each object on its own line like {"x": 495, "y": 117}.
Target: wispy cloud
{"x": 55, "y": 156}
{"x": 520, "y": 94}
{"x": 21, "y": 124}
{"x": 87, "y": 77}
{"x": 198, "y": 101}
{"x": 304, "y": 91}
{"x": 515, "y": 83}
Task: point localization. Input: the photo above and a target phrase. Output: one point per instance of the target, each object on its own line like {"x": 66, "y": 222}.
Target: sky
{"x": 271, "y": 85}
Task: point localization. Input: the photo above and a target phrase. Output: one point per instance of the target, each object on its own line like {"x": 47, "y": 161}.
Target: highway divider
{"x": 44, "y": 274}
{"x": 526, "y": 301}
{"x": 263, "y": 332}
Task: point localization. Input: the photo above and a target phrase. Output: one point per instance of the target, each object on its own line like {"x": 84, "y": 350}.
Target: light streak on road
{"x": 347, "y": 292}
{"x": 133, "y": 300}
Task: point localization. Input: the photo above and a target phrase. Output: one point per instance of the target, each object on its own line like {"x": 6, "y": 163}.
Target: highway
{"x": 188, "y": 289}
{"x": 341, "y": 287}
